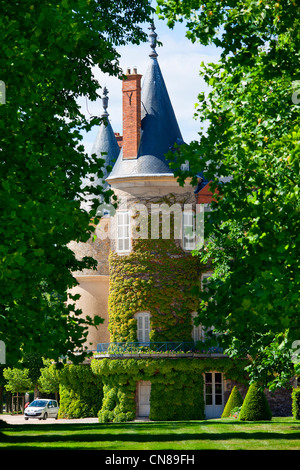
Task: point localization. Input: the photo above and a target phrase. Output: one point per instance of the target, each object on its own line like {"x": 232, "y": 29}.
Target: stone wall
{"x": 280, "y": 401}
{"x": 97, "y": 247}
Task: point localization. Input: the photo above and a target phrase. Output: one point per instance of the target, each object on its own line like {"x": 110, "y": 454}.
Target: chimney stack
{"x": 131, "y": 91}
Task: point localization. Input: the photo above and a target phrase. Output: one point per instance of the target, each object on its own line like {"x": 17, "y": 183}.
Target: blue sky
{"x": 179, "y": 61}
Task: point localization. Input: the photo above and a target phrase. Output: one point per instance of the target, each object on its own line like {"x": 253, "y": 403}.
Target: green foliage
{"x": 17, "y": 380}
{"x": 176, "y": 386}
{"x": 255, "y": 406}
{"x": 49, "y": 378}
{"x": 235, "y": 400}
{"x": 157, "y": 276}
{"x": 235, "y": 412}
{"x": 252, "y": 109}
{"x": 33, "y": 363}
{"x": 180, "y": 399}
{"x": 48, "y": 53}
{"x": 80, "y": 392}
{"x": 296, "y": 403}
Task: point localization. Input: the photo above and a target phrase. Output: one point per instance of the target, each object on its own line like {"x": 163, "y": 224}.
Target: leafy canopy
{"x": 48, "y": 51}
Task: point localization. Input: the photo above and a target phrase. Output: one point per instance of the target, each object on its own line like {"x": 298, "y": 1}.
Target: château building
{"x": 146, "y": 349}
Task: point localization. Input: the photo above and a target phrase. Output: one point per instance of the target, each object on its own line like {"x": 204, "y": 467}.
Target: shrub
{"x": 255, "y": 406}
{"x": 235, "y": 412}
{"x": 296, "y": 403}
{"x": 235, "y": 400}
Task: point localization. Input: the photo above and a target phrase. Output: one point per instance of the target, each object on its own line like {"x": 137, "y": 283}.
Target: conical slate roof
{"x": 159, "y": 128}
{"x": 106, "y": 147}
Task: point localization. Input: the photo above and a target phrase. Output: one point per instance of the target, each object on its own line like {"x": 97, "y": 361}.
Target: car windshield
{"x": 38, "y": 403}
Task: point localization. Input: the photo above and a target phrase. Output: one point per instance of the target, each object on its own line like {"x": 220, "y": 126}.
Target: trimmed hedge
{"x": 296, "y": 403}
{"x": 235, "y": 400}
{"x": 255, "y": 406}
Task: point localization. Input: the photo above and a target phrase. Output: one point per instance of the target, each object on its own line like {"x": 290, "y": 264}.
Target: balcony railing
{"x": 155, "y": 348}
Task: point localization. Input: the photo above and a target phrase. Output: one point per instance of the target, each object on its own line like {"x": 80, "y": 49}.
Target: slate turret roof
{"x": 159, "y": 127}
{"x": 106, "y": 145}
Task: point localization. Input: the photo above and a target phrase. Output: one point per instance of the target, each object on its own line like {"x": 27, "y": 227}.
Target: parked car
{"x": 41, "y": 408}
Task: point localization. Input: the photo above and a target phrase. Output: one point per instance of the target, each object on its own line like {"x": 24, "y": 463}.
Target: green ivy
{"x": 176, "y": 386}
{"x": 80, "y": 392}
{"x": 157, "y": 276}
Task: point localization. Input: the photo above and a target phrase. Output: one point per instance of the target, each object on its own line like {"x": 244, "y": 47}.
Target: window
{"x": 197, "y": 333}
{"x": 189, "y": 231}
{"x": 143, "y": 327}
{"x": 213, "y": 388}
{"x": 123, "y": 231}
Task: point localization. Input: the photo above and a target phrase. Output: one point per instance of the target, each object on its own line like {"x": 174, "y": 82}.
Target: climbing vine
{"x": 157, "y": 276}
{"x": 176, "y": 386}
{"x": 80, "y": 392}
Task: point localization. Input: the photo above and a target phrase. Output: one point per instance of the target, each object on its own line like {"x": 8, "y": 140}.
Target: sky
{"x": 179, "y": 61}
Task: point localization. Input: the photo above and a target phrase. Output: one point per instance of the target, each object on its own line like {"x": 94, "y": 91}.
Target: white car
{"x": 42, "y": 408}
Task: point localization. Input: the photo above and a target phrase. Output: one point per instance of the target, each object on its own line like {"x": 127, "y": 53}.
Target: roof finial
{"x": 152, "y": 38}
{"x": 105, "y": 101}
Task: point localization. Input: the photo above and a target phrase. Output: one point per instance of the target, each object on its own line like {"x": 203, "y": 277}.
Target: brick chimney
{"x": 119, "y": 139}
{"x": 131, "y": 114}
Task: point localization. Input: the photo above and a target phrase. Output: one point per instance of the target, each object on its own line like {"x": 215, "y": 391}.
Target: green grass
{"x": 221, "y": 434}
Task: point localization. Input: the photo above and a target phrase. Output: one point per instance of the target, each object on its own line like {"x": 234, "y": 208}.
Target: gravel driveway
{"x": 19, "y": 419}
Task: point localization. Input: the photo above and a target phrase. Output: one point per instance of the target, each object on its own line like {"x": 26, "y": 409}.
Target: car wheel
{"x": 26, "y": 419}
{"x": 45, "y": 416}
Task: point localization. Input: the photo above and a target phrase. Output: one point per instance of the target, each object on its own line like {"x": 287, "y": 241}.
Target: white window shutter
{"x": 143, "y": 327}
{"x": 146, "y": 328}
{"x": 140, "y": 329}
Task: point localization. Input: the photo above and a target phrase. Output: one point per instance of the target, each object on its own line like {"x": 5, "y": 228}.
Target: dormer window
{"x": 123, "y": 231}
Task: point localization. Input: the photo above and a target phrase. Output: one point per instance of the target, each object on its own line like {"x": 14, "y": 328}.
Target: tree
{"x": 17, "y": 381}
{"x": 48, "y": 51}
{"x": 250, "y": 152}
{"x": 49, "y": 378}
{"x": 33, "y": 363}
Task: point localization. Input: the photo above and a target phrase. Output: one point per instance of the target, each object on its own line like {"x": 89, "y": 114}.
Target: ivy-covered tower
{"x": 149, "y": 356}
{"x": 152, "y": 273}
{"x": 146, "y": 353}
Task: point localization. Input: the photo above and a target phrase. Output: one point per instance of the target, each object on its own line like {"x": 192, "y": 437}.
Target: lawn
{"x": 217, "y": 434}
